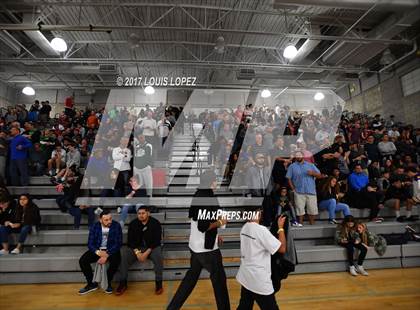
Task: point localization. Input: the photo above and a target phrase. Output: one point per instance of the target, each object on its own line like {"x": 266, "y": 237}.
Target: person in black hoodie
{"x": 18, "y": 218}
{"x": 204, "y": 248}
{"x": 144, "y": 242}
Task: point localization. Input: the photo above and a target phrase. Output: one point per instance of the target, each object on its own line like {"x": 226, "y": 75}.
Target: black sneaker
{"x": 412, "y": 218}
{"x": 108, "y": 290}
{"x": 88, "y": 288}
{"x": 401, "y": 219}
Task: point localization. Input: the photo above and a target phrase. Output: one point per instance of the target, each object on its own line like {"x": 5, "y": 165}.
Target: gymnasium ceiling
{"x": 337, "y": 41}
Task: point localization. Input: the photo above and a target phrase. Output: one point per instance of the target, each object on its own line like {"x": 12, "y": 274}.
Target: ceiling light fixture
{"x": 59, "y": 44}
{"x": 319, "y": 96}
{"x": 28, "y": 91}
{"x": 290, "y": 52}
{"x": 149, "y": 90}
{"x": 220, "y": 45}
{"x": 265, "y": 93}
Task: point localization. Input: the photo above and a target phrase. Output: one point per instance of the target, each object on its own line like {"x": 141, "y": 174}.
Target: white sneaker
{"x": 119, "y": 210}
{"x": 15, "y": 251}
{"x": 4, "y": 252}
{"x": 361, "y": 270}
{"x": 353, "y": 271}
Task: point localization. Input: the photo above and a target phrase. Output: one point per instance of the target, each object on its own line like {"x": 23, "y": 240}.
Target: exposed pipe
{"x": 414, "y": 50}
{"x": 389, "y": 5}
{"x": 299, "y": 68}
{"x": 38, "y": 38}
{"x": 110, "y": 28}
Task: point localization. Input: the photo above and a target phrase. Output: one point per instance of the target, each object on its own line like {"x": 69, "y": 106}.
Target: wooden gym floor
{"x": 382, "y": 289}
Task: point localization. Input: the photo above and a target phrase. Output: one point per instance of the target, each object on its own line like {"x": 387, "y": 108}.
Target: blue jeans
{"x": 22, "y": 231}
{"x": 333, "y": 206}
{"x": 76, "y": 212}
{"x": 127, "y": 209}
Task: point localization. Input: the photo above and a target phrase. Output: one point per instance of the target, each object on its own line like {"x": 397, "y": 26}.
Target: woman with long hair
{"x": 21, "y": 221}
{"x": 348, "y": 237}
{"x": 329, "y": 195}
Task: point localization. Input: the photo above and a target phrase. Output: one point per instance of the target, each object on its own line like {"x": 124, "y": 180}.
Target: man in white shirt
{"x": 149, "y": 127}
{"x": 121, "y": 156}
{"x": 254, "y": 275}
{"x": 203, "y": 245}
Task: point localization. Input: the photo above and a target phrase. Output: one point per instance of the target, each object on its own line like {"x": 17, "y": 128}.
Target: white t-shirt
{"x": 105, "y": 233}
{"x": 197, "y": 238}
{"x": 151, "y": 123}
{"x": 257, "y": 246}
{"x": 121, "y": 158}
{"x": 63, "y": 154}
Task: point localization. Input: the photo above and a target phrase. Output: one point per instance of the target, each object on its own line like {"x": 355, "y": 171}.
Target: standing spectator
{"x": 44, "y": 112}
{"x": 105, "y": 241}
{"x": 301, "y": 176}
{"x": 259, "y": 183}
{"x": 143, "y": 163}
{"x": 144, "y": 242}
{"x": 149, "y": 127}
{"x": 121, "y": 156}
{"x": 3, "y": 155}
{"x": 328, "y": 196}
{"x": 20, "y": 221}
{"x": 69, "y": 107}
{"x": 163, "y": 126}
{"x": 254, "y": 274}
{"x": 19, "y": 146}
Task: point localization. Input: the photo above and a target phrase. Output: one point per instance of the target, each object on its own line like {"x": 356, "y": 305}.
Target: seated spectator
{"x": 72, "y": 162}
{"x": 301, "y": 176}
{"x": 92, "y": 120}
{"x": 329, "y": 196}
{"x": 104, "y": 243}
{"x": 144, "y": 242}
{"x": 347, "y": 237}
{"x": 386, "y": 148}
{"x": 37, "y": 160}
{"x": 18, "y": 219}
{"x": 57, "y": 160}
{"x": 374, "y": 171}
{"x": 371, "y": 149}
{"x": 395, "y": 196}
{"x": 362, "y": 195}
{"x": 136, "y": 190}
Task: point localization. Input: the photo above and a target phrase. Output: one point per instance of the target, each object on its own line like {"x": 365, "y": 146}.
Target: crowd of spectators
{"x": 286, "y": 157}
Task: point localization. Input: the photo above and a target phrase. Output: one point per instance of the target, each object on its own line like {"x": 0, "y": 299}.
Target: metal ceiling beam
{"x": 216, "y": 64}
{"x": 110, "y": 28}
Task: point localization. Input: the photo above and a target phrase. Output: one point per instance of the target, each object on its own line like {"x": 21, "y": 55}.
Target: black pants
{"x": 265, "y": 302}
{"x": 366, "y": 200}
{"x": 212, "y": 262}
{"x": 89, "y": 257}
{"x": 350, "y": 252}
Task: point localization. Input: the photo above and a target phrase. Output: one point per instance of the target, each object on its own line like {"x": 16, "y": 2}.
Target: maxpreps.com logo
{"x": 282, "y": 111}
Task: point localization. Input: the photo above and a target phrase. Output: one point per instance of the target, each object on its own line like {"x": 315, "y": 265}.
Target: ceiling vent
{"x": 245, "y": 74}
{"x": 108, "y": 68}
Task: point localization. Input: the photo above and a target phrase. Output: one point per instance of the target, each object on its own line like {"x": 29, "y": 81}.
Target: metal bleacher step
{"x": 35, "y": 190}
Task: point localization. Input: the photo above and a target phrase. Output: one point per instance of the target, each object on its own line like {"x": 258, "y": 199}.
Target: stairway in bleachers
{"x": 51, "y": 255}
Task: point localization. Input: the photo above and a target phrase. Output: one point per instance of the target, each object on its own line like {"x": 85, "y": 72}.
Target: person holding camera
{"x": 254, "y": 275}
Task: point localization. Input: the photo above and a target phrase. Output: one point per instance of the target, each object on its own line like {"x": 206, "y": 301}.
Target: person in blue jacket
{"x": 19, "y": 147}
{"x": 104, "y": 243}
